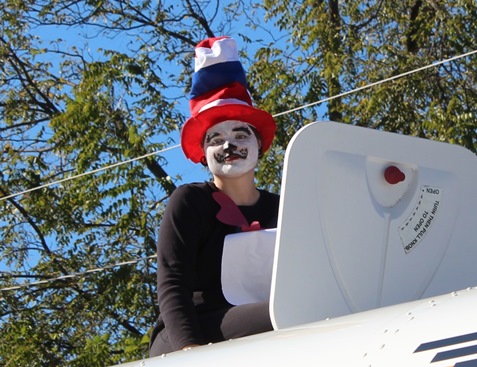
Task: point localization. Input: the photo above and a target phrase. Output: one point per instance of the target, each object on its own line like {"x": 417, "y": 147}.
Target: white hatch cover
{"x": 369, "y": 219}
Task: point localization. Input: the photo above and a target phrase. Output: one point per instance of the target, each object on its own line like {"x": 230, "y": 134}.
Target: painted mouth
{"x": 230, "y": 157}
{"x": 233, "y": 157}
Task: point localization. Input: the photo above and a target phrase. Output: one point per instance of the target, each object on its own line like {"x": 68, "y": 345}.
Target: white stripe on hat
{"x": 222, "y": 50}
{"x": 223, "y": 102}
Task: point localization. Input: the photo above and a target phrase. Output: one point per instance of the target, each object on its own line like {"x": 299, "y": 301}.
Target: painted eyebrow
{"x": 244, "y": 129}
{"x": 209, "y": 137}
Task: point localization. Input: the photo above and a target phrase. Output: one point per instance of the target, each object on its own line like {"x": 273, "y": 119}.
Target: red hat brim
{"x": 194, "y": 129}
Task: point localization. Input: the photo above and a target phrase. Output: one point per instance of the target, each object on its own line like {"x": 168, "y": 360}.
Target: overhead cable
{"x": 75, "y": 275}
{"x": 367, "y": 86}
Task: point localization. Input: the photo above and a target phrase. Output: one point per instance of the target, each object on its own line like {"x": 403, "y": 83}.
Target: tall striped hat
{"x": 219, "y": 93}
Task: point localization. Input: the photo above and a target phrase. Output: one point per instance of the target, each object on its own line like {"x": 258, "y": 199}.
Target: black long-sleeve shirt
{"x": 190, "y": 256}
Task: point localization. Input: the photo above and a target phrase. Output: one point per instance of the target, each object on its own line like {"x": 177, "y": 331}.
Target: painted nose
{"x": 229, "y": 147}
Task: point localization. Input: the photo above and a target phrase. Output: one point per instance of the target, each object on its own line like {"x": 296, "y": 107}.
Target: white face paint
{"x": 231, "y": 148}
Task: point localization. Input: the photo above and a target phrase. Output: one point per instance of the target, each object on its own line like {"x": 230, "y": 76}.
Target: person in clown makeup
{"x": 229, "y": 136}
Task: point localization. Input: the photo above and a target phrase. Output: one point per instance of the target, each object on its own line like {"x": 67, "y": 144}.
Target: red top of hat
{"x": 219, "y": 94}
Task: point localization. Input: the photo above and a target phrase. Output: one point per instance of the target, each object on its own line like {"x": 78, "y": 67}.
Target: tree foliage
{"x": 86, "y": 85}
{"x": 349, "y": 45}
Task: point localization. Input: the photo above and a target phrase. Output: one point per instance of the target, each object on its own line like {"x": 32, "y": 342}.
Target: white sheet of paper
{"x": 247, "y": 263}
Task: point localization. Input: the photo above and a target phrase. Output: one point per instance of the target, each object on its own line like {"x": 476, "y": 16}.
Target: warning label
{"x": 419, "y": 222}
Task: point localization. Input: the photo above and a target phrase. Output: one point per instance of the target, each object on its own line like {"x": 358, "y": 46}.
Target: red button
{"x": 393, "y": 175}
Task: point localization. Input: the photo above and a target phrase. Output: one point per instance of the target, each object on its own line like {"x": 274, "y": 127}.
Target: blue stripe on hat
{"x": 215, "y": 76}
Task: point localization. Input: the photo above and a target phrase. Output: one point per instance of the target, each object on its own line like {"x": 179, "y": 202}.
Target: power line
{"x": 275, "y": 115}
{"x": 380, "y": 82}
{"x": 88, "y": 173}
{"x": 76, "y": 275}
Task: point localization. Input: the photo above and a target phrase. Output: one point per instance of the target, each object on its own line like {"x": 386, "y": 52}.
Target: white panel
{"x": 351, "y": 238}
{"x": 432, "y": 332}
